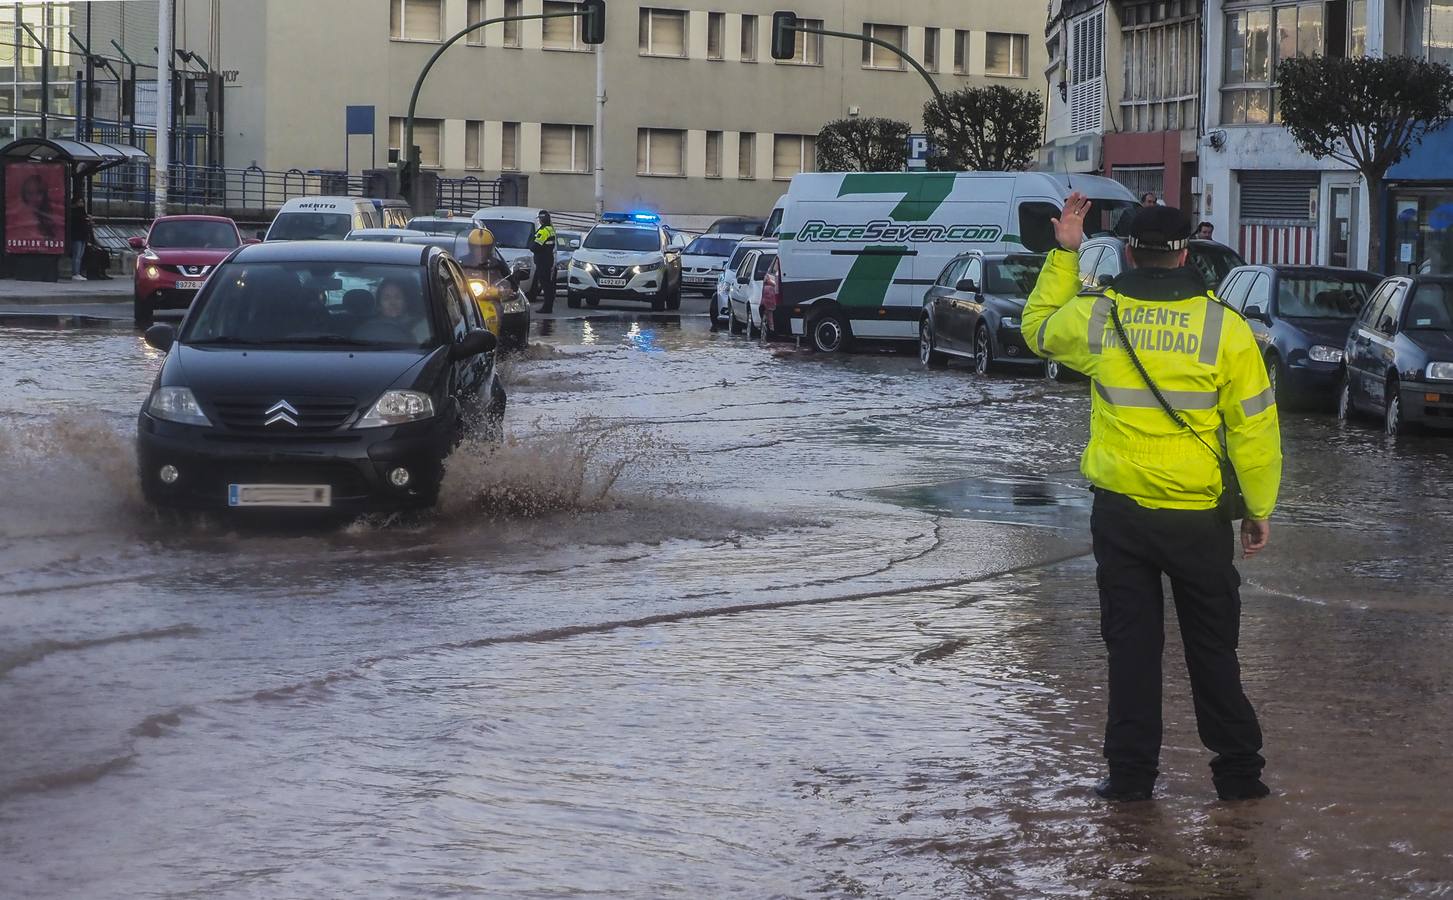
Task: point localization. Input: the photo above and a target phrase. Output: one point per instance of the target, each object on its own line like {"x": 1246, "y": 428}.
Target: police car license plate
{"x": 612, "y": 282}
{"x": 279, "y": 495}
{"x": 189, "y": 285}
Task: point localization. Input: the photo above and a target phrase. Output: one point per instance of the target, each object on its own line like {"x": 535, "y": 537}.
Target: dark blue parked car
{"x": 1400, "y": 356}
{"x": 1300, "y": 316}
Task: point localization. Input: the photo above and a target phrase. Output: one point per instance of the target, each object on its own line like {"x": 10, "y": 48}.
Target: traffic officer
{"x": 542, "y": 245}
{"x": 1158, "y": 484}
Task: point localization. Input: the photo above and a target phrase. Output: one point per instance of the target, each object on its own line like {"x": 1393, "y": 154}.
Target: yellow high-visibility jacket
{"x": 1203, "y": 357}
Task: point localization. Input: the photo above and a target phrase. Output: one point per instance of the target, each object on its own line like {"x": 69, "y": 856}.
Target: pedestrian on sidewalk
{"x": 82, "y": 234}
{"x": 1173, "y": 370}
{"x": 542, "y": 245}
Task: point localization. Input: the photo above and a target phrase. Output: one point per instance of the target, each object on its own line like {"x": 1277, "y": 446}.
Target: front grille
{"x": 613, "y": 271}
{"x": 314, "y": 414}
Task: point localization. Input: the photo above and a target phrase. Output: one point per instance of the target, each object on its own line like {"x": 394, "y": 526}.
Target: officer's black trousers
{"x": 1133, "y": 547}
{"x": 544, "y": 283}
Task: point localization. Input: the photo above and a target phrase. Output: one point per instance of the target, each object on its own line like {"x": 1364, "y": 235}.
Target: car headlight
{"x": 648, "y": 268}
{"x": 1440, "y": 371}
{"x": 177, "y": 404}
{"x": 152, "y": 271}
{"x": 1325, "y": 354}
{"x": 476, "y": 287}
{"x": 1009, "y": 322}
{"x": 396, "y": 408}
{"x": 583, "y": 266}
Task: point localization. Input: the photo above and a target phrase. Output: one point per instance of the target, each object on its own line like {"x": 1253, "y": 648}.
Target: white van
{"x": 859, "y": 250}
{"x": 324, "y": 218}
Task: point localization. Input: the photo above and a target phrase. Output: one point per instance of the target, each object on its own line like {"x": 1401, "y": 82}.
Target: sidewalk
{"x": 65, "y": 291}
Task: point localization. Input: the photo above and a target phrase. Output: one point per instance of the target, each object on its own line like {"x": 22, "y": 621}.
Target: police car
{"x": 628, "y": 256}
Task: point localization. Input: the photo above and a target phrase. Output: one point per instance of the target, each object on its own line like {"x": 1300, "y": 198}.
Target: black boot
{"x": 1233, "y": 789}
{"x": 1121, "y": 791}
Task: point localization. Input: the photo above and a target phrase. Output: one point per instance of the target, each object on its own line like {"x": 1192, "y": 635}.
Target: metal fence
{"x": 465, "y": 195}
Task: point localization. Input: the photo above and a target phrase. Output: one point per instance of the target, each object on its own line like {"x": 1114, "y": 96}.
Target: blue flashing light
{"x": 642, "y": 217}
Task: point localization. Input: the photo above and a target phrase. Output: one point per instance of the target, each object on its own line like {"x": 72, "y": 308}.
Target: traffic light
{"x": 592, "y": 24}
{"x": 784, "y": 35}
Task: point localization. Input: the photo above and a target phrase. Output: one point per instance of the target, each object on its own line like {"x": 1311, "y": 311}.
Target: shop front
{"x": 1419, "y": 204}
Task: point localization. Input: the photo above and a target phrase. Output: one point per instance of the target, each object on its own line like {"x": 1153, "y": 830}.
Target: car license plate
{"x": 189, "y": 285}
{"x": 612, "y": 282}
{"x": 702, "y": 280}
{"x": 279, "y": 495}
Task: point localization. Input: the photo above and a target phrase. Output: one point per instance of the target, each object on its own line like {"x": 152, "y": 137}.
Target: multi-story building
{"x": 1123, "y": 84}
{"x": 699, "y": 117}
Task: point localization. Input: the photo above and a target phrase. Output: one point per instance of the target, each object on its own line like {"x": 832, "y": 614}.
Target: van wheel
{"x": 983, "y": 351}
{"x": 830, "y": 332}
{"x": 927, "y": 352}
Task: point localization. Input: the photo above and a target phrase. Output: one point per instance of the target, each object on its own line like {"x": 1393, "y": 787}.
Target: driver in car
{"x": 397, "y": 315}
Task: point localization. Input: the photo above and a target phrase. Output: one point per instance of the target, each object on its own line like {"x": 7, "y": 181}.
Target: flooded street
{"x": 719, "y": 619}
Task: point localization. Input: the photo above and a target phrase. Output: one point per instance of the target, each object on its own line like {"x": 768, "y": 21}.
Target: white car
{"x": 721, "y": 312}
{"x": 626, "y": 257}
{"x": 746, "y": 290}
{"x": 512, "y": 227}
{"x": 704, "y": 259}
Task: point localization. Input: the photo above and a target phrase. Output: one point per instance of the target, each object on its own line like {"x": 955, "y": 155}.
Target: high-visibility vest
{"x": 1203, "y": 357}
{"x": 545, "y": 237}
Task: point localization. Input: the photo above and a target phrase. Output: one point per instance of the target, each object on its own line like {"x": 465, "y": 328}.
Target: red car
{"x": 175, "y": 258}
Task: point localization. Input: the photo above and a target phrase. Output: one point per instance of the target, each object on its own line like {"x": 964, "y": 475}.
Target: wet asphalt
{"x": 720, "y": 619}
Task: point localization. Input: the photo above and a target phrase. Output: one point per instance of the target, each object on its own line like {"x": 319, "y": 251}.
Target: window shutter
{"x": 555, "y": 148}
{"x": 1277, "y": 196}
{"x": 471, "y": 144}
{"x": 669, "y": 34}
{"x": 715, "y": 24}
{"x": 509, "y": 146}
{"x": 786, "y": 156}
{"x": 713, "y": 154}
{"x": 423, "y": 20}
{"x": 747, "y": 156}
{"x": 559, "y": 34}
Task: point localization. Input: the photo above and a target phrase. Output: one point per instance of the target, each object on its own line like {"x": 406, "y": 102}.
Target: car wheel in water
{"x": 983, "y": 351}
{"x": 1394, "y": 419}
{"x": 658, "y": 301}
{"x": 734, "y": 326}
{"x": 928, "y": 353}
{"x": 673, "y": 299}
{"x": 572, "y": 300}
{"x": 1346, "y": 411}
{"x": 492, "y": 429}
{"x": 829, "y": 332}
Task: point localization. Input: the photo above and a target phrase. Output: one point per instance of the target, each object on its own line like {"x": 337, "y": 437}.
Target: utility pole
{"x": 599, "y": 149}
{"x": 163, "y": 157}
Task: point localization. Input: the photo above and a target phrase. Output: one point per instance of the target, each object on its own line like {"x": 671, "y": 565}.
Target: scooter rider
{"x": 1172, "y": 368}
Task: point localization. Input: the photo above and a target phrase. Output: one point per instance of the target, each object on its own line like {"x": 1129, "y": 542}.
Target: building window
{"x": 809, "y": 46}
{"x": 663, "y": 32}
{"x": 930, "y": 49}
{"x": 793, "y": 153}
{"x": 749, "y": 38}
{"x": 961, "y": 52}
{"x": 1256, "y": 40}
{"x": 1430, "y": 30}
{"x": 509, "y": 147}
{"x": 660, "y": 151}
{"x": 562, "y": 33}
{"x": 416, "y": 20}
{"x": 473, "y": 141}
{"x": 426, "y": 138}
{"x": 1087, "y": 73}
{"x": 1357, "y": 28}
{"x": 876, "y": 57}
{"x": 477, "y": 13}
{"x": 1161, "y": 66}
{"x": 747, "y": 156}
{"x": 715, "y": 35}
{"x": 512, "y": 29}
{"x": 565, "y": 148}
{"x": 713, "y": 154}
{"x": 1004, "y": 55}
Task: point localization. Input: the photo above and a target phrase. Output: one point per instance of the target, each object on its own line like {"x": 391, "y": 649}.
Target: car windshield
{"x": 365, "y": 305}
{"x": 509, "y": 232}
{"x": 310, "y": 226}
{"x": 736, "y": 226}
{"x": 1013, "y": 276}
{"x": 192, "y": 234}
{"x": 708, "y": 246}
{"x": 1212, "y": 262}
{"x": 1431, "y": 308}
{"x": 1321, "y": 298}
{"x": 611, "y": 238}
{"x": 441, "y": 226}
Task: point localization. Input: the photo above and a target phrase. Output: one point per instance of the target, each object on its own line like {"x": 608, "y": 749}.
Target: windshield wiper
{"x": 222, "y": 339}
{"x": 333, "y": 339}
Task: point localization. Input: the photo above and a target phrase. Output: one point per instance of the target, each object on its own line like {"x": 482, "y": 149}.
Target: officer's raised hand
{"x": 1069, "y": 228}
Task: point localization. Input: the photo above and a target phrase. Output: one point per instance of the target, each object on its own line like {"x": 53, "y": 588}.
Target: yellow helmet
{"x": 481, "y": 237}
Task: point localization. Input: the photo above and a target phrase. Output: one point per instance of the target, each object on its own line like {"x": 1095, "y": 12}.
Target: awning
{"x": 85, "y": 157}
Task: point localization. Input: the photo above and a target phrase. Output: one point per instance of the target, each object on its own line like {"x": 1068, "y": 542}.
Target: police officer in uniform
{"x": 542, "y": 245}
{"x": 1158, "y": 483}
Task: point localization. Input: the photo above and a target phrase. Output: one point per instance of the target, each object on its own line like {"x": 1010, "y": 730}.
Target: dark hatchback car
{"x": 1102, "y": 259}
{"x": 1300, "y": 316}
{"x": 329, "y": 375}
{"x": 973, "y": 310}
{"x": 1400, "y": 355}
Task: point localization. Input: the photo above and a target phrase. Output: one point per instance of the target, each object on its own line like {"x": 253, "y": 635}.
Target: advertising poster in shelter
{"x": 35, "y": 208}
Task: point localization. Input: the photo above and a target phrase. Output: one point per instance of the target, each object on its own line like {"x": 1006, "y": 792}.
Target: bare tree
{"x": 862, "y": 145}
{"x": 987, "y": 129}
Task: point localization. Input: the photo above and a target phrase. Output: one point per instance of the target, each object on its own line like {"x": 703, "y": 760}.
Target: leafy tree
{"x": 1367, "y": 112}
{"x": 862, "y": 145}
{"x": 990, "y": 129}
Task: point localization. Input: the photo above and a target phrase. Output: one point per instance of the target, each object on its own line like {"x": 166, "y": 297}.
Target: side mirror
{"x": 517, "y": 274}
{"x": 160, "y": 337}
{"x": 136, "y": 243}
{"x": 1255, "y": 312}
{"x": 1106, "y": 280}
{"x": 472, "y": 344}
{"x": 967, "y": 286}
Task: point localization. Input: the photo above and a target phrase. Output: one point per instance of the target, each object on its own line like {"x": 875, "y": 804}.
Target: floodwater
{"x": 717, "y": 620}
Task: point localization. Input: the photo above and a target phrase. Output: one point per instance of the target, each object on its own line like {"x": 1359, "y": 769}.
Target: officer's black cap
{"x": 1160, "y": 228}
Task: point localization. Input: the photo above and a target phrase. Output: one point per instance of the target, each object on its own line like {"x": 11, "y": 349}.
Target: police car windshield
{"x": 510, "y": 232}
{"x": 1013, "y": 276}
{"x": 708, "y": 246}
{"x": 365, "y": 305}
{"x": 607, "y": 237}
{"x": 192, "y": 234}
{"x": 1321, "y": 298}
{"x": 310, "y": 226}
